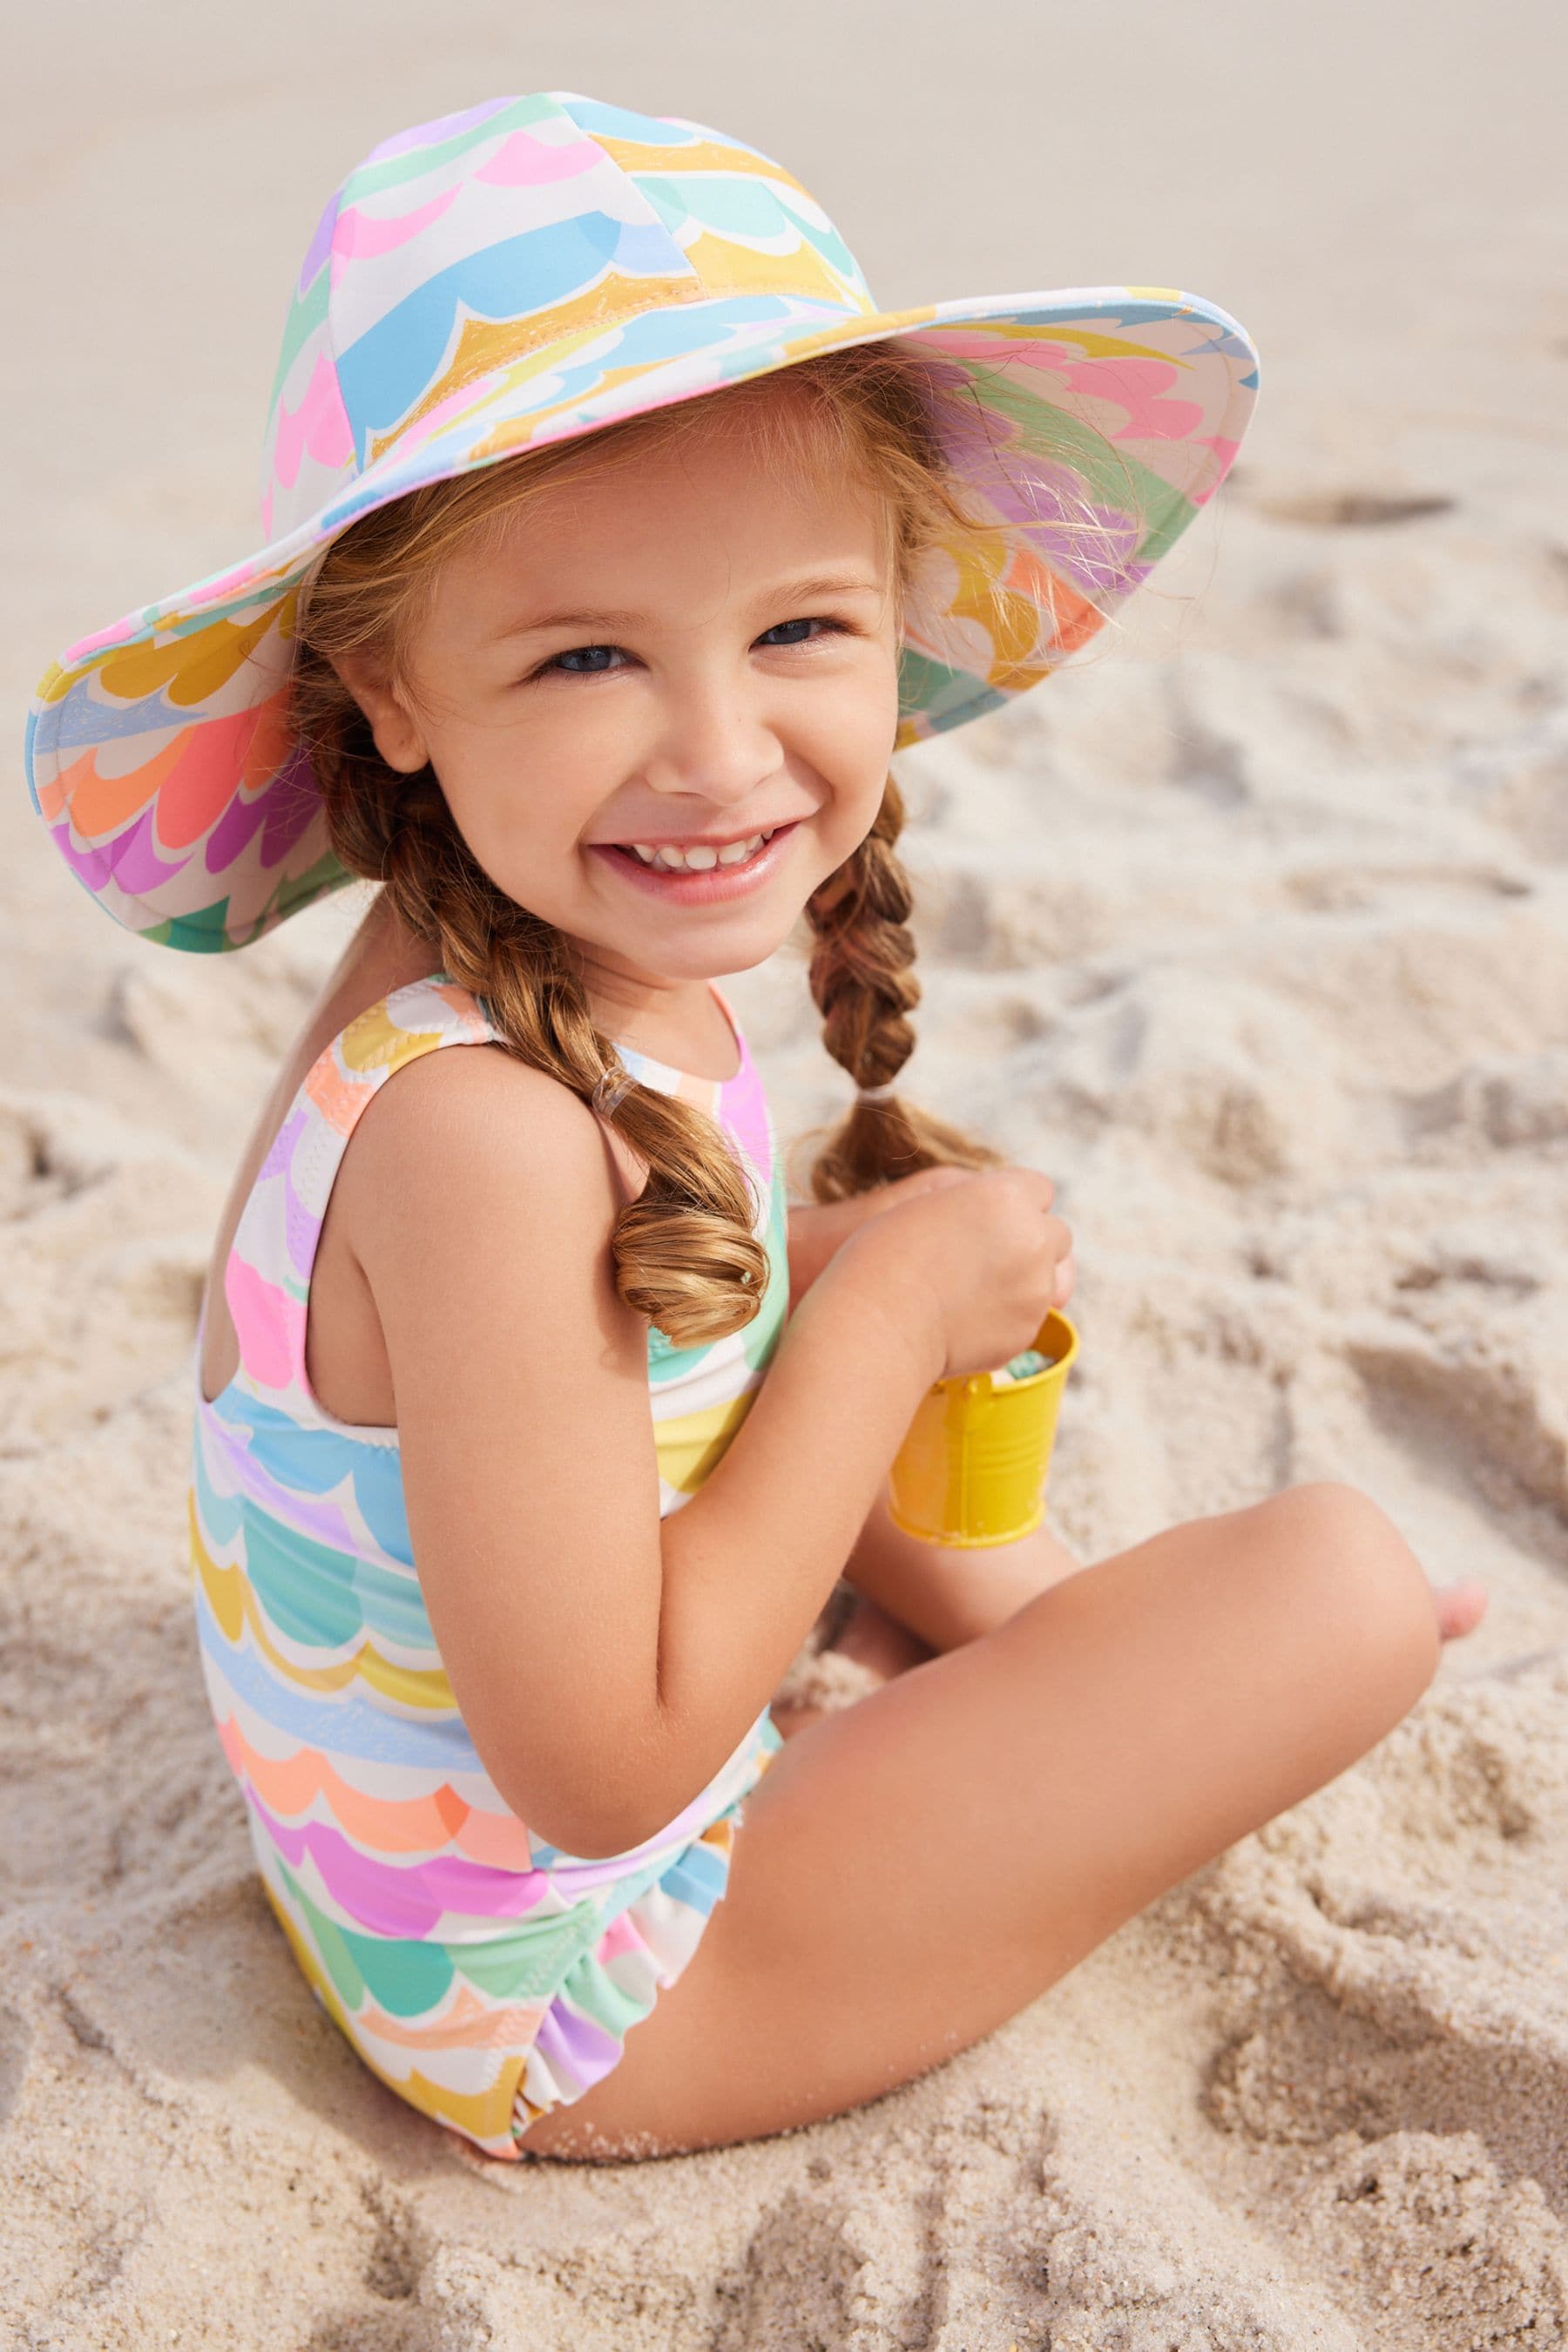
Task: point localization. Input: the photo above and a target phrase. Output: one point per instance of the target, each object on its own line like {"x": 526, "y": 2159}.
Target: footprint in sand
{"x": 1504, "y": 1100}
{"x": 1350, "y": 509}
{"x": 1410, "y": 1994}
{"x": 1479, "y": 1411}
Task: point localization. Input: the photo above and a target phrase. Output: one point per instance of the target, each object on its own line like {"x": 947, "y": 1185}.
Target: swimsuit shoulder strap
{"x": 267, "y": 1280}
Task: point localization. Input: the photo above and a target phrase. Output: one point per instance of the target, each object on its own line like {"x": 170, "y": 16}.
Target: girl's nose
{"x": 715, "y": 744}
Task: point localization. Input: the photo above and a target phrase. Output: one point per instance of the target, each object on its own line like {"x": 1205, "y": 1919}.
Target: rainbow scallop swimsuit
{"x": 483, "y": 1974}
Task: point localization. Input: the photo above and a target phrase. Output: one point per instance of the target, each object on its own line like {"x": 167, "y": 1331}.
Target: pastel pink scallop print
{"x": 360, "y": 235}
{"x": 1140, "y": 388}
{"x": 268, "y": 1324}
{"x": 524, "y": 162}
{"x": 743, "y": 1105}
{"x": 319, "y": 428}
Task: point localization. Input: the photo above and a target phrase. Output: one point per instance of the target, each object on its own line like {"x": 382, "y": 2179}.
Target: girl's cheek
{"x": 577, "y": 733}
{"x": 855, "y": 751}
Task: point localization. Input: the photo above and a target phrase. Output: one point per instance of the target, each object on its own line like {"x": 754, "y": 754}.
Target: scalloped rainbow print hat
{"x": 528, "y": 270}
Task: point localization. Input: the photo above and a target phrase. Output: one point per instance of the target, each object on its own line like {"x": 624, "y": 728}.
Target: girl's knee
{"x": 1369, "y": 1583}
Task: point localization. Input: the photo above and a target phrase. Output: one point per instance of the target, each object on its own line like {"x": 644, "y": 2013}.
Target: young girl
{"x": 615, "y": 541}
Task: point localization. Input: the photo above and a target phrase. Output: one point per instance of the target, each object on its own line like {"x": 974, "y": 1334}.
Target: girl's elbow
{"x": 587, "y": 1824}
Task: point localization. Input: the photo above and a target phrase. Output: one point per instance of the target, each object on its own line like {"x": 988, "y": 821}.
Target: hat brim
{"x": 158, "y": 751}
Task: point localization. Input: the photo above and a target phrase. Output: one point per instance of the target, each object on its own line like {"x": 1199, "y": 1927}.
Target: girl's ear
{"x": 395, "y": 731}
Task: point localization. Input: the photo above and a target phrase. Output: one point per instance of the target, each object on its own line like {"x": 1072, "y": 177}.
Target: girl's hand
{"x": 821, "y": 1228}
{"x": 818, "y": 1228}
{"x": 976, "y": 1265}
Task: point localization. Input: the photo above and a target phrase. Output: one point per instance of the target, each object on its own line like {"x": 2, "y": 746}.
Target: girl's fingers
{"x": 930, "y": 1180}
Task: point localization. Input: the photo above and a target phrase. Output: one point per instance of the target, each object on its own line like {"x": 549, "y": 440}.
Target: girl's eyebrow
{"x": 810, "y": 585}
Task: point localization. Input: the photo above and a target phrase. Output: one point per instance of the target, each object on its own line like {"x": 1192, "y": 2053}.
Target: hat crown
{"x": 515, "y": 236}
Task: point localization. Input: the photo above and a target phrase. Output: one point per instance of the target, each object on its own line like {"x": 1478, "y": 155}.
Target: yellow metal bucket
{"x": 973, "y": 1468}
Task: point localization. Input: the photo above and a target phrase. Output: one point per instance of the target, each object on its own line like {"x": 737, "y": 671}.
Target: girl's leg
{"x": 915, "y": 1870}
{"x": 944, "y": 1597}
{"x": 945, "y": 1594}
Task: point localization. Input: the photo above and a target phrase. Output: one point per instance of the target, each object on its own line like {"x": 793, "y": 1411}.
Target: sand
{"x": 1253, "y": 934}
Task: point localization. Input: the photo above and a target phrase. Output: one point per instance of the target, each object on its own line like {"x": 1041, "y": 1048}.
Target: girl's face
{"x": 682, "y": 649}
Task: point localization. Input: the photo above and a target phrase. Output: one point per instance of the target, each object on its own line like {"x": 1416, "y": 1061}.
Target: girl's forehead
{"x": 635, "y": 514}
{"x": 719, "y": 464}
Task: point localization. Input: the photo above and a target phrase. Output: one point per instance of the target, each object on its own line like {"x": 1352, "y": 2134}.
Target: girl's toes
{"x": 1460, "y": 1607}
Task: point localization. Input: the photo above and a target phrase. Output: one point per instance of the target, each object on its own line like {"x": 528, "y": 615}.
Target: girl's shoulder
{"x": 467, "y": 1151}
{"x": 405, "y": 1030}
{"x": 460, "y": 1122}
{"x": 405, "y": 1025}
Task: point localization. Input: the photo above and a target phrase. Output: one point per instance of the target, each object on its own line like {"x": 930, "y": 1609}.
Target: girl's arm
{"x": 752, "y": 1559}
{"x": 816, "y": 1230}
{"x": 606, "y": 1662}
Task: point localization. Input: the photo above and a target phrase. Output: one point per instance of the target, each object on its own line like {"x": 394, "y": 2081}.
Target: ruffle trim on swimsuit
{"x": 612, "y": 1985}
{"x": 413, "y": 2012}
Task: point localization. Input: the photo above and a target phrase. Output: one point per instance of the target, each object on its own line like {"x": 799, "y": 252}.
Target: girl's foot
{"x": 1460, "y": 1607}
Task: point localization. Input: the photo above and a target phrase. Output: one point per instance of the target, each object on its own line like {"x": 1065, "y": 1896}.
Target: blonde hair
{"x": 684, "y": 1253}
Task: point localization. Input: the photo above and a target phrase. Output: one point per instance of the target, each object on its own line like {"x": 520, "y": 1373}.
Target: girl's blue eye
{"x": 791, "y": 625}
{"x": 578, "y": 653}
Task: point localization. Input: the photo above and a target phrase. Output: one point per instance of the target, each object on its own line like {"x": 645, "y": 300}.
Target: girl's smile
{"x": 701, "y": 886}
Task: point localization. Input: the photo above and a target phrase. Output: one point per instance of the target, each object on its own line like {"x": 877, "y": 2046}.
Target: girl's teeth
{"x": 701, "y": 859}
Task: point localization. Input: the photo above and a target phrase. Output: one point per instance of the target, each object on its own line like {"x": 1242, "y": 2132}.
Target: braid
{"x": 863, "y": 982}
{"x": 862, "y": 977}
{"x": 685, "y": 1252}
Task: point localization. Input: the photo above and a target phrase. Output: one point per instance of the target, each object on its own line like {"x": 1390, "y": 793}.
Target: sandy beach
{"x": 1252, "y": 932}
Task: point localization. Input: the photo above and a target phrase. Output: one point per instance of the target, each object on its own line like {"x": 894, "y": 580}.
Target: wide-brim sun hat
{"x": 531, "y": 271}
